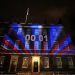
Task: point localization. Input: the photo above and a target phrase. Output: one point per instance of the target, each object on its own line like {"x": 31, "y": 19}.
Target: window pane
{"x": 70, "y": 62}
{"x": 46, "y": 62}
{"x": 59, "y": 62}
{"x": 25, "y": 62}
{"x": 1, "y": 60}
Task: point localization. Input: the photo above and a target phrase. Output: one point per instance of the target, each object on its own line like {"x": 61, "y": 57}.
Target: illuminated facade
{"x": 36, "y": 48}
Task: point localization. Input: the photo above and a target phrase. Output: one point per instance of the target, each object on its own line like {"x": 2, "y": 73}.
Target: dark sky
{"x": 41, "y": 11}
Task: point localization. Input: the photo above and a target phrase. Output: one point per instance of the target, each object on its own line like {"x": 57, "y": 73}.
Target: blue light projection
{"x": 36, "y": 30}
{"x": 27, "y": 45}
{"x": 17, "y": 28}
{"x": 65, "y": 43}
{"x": 17, "y": 46}
{"x": 52, "y": 32}
{"x": 13, "y": 44}
{"x": 71, "y": 50}
{"x": 8, "y": 39}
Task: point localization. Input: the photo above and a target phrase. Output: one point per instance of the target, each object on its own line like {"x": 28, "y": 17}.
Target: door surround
{"x": 34, "y": 59}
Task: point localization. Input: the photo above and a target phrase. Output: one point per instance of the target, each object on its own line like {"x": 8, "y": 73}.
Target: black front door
{"x": 35, "y": 69}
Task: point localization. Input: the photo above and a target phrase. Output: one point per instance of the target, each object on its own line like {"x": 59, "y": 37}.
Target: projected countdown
{"x": 35, "y": 38}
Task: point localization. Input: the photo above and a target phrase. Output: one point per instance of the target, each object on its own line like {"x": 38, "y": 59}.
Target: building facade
{"x": 36, "y": 48}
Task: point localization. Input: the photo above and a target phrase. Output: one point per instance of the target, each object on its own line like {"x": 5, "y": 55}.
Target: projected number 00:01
{"x": 33, "y": 37}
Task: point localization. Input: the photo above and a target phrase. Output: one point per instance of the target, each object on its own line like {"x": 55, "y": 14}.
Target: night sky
{"x": 41, "y": 11}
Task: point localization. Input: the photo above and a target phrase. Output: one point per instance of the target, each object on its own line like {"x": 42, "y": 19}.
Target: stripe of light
{"x": 18, "y": 29}
{"x": 20, "y": 44}
{"x": 46, "y": 47}
{"x": 27, "y": 46}
{"x": 49, "y": 39}
{"x": 70, "y": 51}
{"x": 33, "y": 33}
{"x": 53, "y": 34}
{"x": 36, "y": 45}
{"x": 67, "y": 48}
{"x": 5, "y": 48}
{"x": 17, "y": 46}
{"x": 64, "y": 44}
{"x": 13, "y": 43}
{"x": 36, "y": 30}
{"x": 9, "y": 45}
{"x": 46, "y": 44}
{"x": 56, "y": 46}
{"x": 9, "y": 42}
{"x": 37, "y": 41}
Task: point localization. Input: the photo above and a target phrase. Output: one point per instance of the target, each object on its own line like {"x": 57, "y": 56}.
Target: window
{"x": 70, "y": 62}
{"x": 1, "y": 60}
{"x": 25, "y": 62}
{"x": 59, "y": 62}
{"x": 46, "y": 62}
{"x": 13, "y": 63}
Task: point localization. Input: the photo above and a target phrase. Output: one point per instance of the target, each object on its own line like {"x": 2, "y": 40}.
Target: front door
{"x": 35, "y": 68}
{"x": 35, "y": 63}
